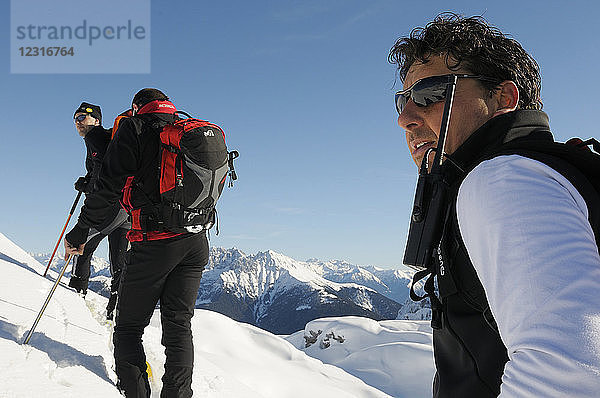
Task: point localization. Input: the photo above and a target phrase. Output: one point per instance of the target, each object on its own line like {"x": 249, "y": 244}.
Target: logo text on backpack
{"x": 209, "y": 133}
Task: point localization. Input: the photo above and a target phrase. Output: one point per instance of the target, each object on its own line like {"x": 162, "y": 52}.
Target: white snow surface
{"x": 69, "y": 354}
{"x": 395, "y": 355}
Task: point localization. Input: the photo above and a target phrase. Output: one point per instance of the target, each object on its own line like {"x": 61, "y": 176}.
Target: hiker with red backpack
{"x": 506, "y": 222}
{"x": 168, "y": 173}
{"x": 88, "y": 122}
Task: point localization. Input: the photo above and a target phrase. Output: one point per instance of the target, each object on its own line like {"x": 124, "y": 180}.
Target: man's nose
{"x": 410, "y": 118}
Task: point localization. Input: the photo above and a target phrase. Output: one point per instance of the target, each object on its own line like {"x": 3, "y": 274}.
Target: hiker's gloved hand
{"x": 81, "y": 184}
{"x": 75, "y": 240}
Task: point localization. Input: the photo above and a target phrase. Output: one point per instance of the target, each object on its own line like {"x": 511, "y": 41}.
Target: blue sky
{"x": 304, "y": 92}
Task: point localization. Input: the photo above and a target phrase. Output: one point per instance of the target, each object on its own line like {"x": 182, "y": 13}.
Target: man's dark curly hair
{"x": 475, "y": 45}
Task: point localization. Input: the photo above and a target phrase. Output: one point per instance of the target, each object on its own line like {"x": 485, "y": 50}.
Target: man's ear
{"x": 97, "y": 122}
{"x": 506, "y": 96}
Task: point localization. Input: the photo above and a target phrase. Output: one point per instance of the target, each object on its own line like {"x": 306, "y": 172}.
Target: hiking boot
{"x": 79, "y": 284}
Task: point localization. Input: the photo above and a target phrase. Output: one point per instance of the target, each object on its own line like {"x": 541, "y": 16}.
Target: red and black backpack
{"x": 193, "y": 165}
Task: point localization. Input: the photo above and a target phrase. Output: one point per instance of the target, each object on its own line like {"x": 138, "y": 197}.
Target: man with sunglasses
{"x": 516, "y": 311}
{"x": 88, "y": 122}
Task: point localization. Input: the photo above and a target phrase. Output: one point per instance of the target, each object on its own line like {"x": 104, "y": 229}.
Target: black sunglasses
{"x": 430, "y": 89}
{"x": 81, "y": 118}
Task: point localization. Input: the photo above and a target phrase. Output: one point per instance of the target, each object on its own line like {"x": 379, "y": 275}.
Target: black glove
{"x": 81, "y": 184}
{"x": 77, "y": 235}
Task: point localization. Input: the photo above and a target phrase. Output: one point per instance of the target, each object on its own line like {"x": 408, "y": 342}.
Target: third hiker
{"x": 88, "y": 123}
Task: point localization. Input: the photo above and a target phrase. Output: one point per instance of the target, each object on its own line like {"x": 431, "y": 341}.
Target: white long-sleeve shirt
{"x": 527, "y": 233}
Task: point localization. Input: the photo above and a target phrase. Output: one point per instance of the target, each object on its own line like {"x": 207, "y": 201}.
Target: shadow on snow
{"x": 61, "y": 354}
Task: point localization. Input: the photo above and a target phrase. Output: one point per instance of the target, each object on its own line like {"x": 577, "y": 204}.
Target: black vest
{"x": 469, "y": 354}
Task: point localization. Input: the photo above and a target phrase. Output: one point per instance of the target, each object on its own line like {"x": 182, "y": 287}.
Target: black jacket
{"x": 96, "y": 143}
{"x": 469, "y": 353}
{"x": 132, "y": 153}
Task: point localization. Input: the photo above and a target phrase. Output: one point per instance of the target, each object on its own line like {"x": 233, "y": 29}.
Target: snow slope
{"x": 69, "y": 354}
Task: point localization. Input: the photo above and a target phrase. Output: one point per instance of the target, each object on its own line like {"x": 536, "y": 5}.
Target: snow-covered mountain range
{"x": 280, "y": 294}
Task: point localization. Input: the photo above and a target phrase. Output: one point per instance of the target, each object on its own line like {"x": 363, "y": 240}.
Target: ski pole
{"x": 63, "y": 231}
{"x": 47, "y": 299}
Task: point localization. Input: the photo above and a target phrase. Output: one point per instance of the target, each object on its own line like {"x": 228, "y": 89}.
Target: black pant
{"x": 117, "y": 246}
{"x": 167, "y": 270}
{"x": 81, "y": 271}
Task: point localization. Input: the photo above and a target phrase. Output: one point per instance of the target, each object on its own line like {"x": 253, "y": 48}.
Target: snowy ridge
{"x": 69, "y": 354}
{"x": 14, "y": 254}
